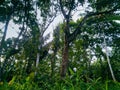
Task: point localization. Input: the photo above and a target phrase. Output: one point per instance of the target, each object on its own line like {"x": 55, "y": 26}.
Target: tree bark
{"x": 65, "y": 60}
{"x": 66, "y": 15}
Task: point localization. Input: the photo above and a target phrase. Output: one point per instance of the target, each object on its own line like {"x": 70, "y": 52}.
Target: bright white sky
{"x": 14, "y": 28}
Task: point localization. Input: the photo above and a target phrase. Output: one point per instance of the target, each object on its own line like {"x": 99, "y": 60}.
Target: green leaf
{"x": 71, "y": 71}
{"x": 113, "y": 17}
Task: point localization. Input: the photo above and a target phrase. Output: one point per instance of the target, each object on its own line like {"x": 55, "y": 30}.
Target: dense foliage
{"x": 83, "y": 54}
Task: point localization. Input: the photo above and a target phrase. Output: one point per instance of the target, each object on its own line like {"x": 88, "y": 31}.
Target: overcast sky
{"x": 14, "y": 28}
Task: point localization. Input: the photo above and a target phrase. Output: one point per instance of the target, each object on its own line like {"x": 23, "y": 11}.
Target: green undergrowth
{"x": 65, "y": 84}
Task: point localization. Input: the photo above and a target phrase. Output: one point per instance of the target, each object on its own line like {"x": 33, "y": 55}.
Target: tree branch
{"x": 78, "y": 29}
{"x": 6, "y": 26}
{"x": 71, "y": 7}
{"x": 61, "y": 6}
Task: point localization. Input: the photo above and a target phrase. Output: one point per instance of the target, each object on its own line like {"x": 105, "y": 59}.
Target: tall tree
{"x": 67, "y": 8}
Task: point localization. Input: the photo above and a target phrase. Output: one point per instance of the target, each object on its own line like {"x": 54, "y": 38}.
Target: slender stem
{"x": 108, "y": 59}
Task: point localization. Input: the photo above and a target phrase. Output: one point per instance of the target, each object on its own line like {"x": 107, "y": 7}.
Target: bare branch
{"x": 49, "y": 23}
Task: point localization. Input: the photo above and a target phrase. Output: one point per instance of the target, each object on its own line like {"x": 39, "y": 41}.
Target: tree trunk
{"x": 67, "y": 16}
{"x": 110, "y": 67}
{"x": 37, "y": 61}
{"x": 5, "y": 32}
{"x": 52, "y": 65}
{"x": 2, "y": 45}
{"x": 108, "y": 60}
{"x": 65, "y": 60}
